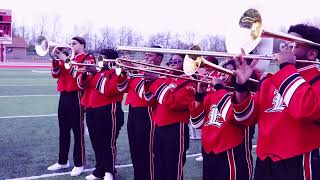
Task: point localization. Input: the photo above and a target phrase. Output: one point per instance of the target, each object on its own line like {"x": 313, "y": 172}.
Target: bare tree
{"x": 213, "y": 43}
{"x": 161, "y": 39}
{"x": 55, "y": 27}
{"x": 42, "y": 24}
{"x": 190, "y": 37}
{"x": 315, "y": 21}
{"x": 137, "y": 40}
{"x": 177, "y": 43}
{"x": 108, "y": 38}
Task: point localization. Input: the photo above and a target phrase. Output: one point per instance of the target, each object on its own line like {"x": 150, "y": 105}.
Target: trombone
{"x": 120, "y": 62}
{"x": 191, "y": 66}
{"x": 251, "y": 20}
{"x": 251, "y": 24}
{"x": 43, "y": 47}
{"x": 100, "y": 64}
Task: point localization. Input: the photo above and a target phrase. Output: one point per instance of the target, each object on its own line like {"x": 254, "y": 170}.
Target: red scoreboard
{"x": 5, "y": 26}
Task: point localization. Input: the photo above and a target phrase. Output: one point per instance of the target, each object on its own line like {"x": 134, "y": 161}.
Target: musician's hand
{"x": 55, "y": 63}
{"x": 201, "y": 87}
{"x": 121, "y": 71}
{"x": 243, "y": 71}
{"x": 91, "y": 69}
{"x": 219, "y": 80}
{"x": 286, "y": 56}
{"x": 59, "y": 54}
{"x": 150, "y": 77}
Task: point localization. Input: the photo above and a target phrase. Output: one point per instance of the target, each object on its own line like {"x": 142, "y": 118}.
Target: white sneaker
{"x": 76, "y": 171}
{"x": 200, "y": 158}
{"x": 108, "y": 176}
{"x": 58, "y": 166}
{"x": 91, "y": 177}
{"x": 86, "y": 131}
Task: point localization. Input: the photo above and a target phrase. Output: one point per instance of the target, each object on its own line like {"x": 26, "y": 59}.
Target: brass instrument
{"x": 43, "y": 47}
{"x": 190, "y": 66}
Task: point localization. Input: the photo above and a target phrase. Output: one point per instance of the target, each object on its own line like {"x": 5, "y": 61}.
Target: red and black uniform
{"x": 286, "y": 108}
{"x": 171, "y": 98}
{"x": 70, "y": 113}
{"x": 140, "y": 127}
{"x": 226, "y": 148}
{"x": 104, "y": 116}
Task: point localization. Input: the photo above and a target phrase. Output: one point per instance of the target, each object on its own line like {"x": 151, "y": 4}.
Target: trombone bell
{"x": 191, "y": 66}
{"x": 42, "y": 47}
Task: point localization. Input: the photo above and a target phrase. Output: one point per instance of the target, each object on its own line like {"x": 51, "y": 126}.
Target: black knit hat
{"x": 80, "y": 40}
{"x": 109, "y": 53}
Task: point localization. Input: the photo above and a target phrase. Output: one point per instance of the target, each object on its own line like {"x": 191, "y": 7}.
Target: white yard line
{"x": 86, "y": 170}
{"x": 35, "y": 116}
{"x": 36, "y": 79}
{"x": 27, "y": 116}
{"x": 39, "y": 71}
{"x": 26, "y": 85}
{"x": 34, "y": 95}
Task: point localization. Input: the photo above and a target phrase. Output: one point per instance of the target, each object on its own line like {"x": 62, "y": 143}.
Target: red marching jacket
{"x": 214, "y": 117}
{"x": 67, "y": 77}
{"x": 286, "y": 109}
{"x": 171, "y": 97}
{"x": 134, "y": 86}
{"x": 99, "y": 89}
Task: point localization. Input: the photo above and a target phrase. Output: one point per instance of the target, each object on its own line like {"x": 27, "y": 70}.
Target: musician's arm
{"x": 122, "y": 82}
{"x": 301, "y": 98}
{"x": 245, "y": 111}
{"x": 56, "y": 68}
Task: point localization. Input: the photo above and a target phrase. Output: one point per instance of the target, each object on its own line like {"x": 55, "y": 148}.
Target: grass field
{"x": 29, "y": 131}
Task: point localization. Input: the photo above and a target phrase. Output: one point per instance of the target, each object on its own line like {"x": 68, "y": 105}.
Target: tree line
{"x": 109, "y": 37}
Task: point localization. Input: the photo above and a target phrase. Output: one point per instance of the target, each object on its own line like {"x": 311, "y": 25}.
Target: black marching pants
{"x": 104, "y": 124}
{"x": 302, "y": 167}
{"x": 140, "y": 133}
{"x": 170, "y": 145}
{"x": 70, "y": 115}
{"x": 232, "y": 164}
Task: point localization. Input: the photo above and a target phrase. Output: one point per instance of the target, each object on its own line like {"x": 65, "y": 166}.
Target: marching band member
{"x": 286, "y": 109}
{"x": 170, "y": 98}
{"x": 226, "y": 150}
{"x": 140, "y": 127}
{"x": 104, "y": 115}
{"x": 70, "y": 113}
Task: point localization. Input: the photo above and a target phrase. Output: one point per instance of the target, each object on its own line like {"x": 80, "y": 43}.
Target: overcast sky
{"x": 148, "y": 16}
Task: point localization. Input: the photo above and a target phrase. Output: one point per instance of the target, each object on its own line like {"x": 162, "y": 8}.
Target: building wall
{"x": 16, "y": 53}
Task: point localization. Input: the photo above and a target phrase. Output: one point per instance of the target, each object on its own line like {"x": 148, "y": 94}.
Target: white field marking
{"x": 8, "y": 79}
{"x": 34, "y": 73}
{"x": 37, "y": 71}
{"x": 85, "y": 170}
{"x": 24, "y": 85}
{"x": 34, "y": 116}
{"x": 28, "y": 116}
{"x": 34, "y": 95}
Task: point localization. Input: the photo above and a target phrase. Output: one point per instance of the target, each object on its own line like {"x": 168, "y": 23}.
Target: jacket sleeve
{"x": 302, "y": 99}
{"x": 245, "y": 113}
{"x": 197, "y": 115}
{"x": 147, "y": 93}
{"x": 83, "y": 80}
{"x": 175, "y": 97}
{"x": 122, "y": 83}
{"x": 74, "y": 69}
{"x": 56, "y": 69}
{"x": 107, "y": 84}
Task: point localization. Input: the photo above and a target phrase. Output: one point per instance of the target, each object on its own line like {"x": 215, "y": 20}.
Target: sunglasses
{"x": 174, "y": 62}
{"x": 291, "y": 45}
